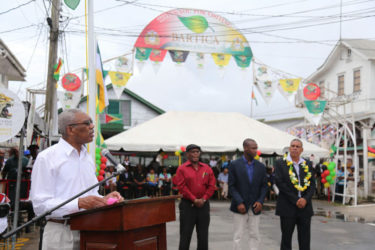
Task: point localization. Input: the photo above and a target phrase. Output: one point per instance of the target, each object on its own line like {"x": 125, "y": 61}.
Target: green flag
{"x": 142, "y": 54}
{"x": 315, "y": 107}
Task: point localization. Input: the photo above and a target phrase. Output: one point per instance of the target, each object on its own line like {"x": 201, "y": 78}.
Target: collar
{"x": 68, "y": 148}
{"x": 189, "y": 164}
{"x": 290, "y": 159}
{"x": 246, "y": 162}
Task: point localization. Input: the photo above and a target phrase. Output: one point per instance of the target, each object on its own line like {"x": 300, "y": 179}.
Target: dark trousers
{"x": 303, "y": 228}
{"x": 191, "y": 216}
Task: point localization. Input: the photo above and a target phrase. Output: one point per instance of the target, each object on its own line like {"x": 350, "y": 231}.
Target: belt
{"x": 66, "y": 222}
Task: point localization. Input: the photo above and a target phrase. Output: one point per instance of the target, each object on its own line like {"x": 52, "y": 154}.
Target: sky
{"x": 291, "y": 36}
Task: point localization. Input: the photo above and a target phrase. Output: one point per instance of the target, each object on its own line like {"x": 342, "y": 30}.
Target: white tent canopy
{"x": 213, "y": 132}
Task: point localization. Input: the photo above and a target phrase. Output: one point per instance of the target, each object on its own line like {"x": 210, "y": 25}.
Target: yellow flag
{"x": 290, "y": 85}
{"x": 221, "y": 59}
{"x": 119, "y": 79}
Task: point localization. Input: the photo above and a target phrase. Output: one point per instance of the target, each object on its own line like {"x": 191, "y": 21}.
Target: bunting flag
{"x": 243, "y": 61}
{"x": 370, "y": 155}
{"x": 178, "y": 56}
{"x": 315, "y": 110}
{"x": 99, "y": 137}
{"x": 122, "y": 64}
{"x": 266, "y": 89}
{"x": 311, "y": 91}
{"x": 57, "y": 68}
{"x": 265, "y": 81}
{"x": 200, "y": 60}
{"x": 221, "y": 60}
{"x": 102, "y": 96}
{"x": 315, "y": 107}
{"x": 253, "y": 98}
{"x": 119, "y": 81}
{"x": 142, "y": 54}
{"x": 290, "y": 86}
{"x": 113, "y": 118}
{"x": 72, "y": 3}
{"x": 157, "y": 55}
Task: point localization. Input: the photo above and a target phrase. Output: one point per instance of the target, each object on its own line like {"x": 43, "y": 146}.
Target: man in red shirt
{"x": 196, "y": 182}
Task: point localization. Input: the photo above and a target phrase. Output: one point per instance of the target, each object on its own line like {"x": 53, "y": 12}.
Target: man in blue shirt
{"x": 223, "y": 182}
{"x": 248, "y": 187}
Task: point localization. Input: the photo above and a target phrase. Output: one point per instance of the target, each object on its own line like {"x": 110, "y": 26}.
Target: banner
{"x": 12, "y": 114}
{"x": 243, "y": 61}
{"x": 266, "y": 89}
{"x": 119, "y": 81}
{"x": 178, "y": 56}
{"x": 157, "y": 55}
{"x": 315, "y": 107}
{"x": 57, "y": 69}
{"x": 200, "y": 60}
{"x": 193, "y": 30}
{"x": 290, "y": 85}
{"x": 311, "y": 91}
{"x": 142, "y": 54}
{"x": 123, "y": 64}
{"x": 221, "y": 60}
{"x": 265, "y": 81}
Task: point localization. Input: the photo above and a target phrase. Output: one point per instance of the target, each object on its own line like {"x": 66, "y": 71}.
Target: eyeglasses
{"x": 87, "y": 123}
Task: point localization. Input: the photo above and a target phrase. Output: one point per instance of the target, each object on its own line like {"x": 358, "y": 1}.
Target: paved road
{"x": 330, "y": 231}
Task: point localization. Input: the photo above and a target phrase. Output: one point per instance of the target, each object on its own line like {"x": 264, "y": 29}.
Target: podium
{"x": 132, "y": 224}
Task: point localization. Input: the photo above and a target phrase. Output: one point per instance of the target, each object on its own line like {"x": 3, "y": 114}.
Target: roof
{"x": 212, "y": 131}
{"x": 9, "y": 65}
{"x": 363, "y": 47}
{"x": 135, "y": 96}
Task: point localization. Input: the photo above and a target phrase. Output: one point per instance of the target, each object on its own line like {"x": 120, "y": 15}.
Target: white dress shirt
{"x": 59, "y": 173}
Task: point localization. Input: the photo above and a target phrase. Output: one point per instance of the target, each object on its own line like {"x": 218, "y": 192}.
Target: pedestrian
{"x": 248, "y": 188}
{"x": 196, "y": 182}
{"x": 62, "y": 171}
{"x": 223, "y": 182}
{"x": 296, "y": 183}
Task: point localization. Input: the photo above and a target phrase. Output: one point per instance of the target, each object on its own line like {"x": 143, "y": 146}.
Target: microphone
{"x": 119, "y": 168}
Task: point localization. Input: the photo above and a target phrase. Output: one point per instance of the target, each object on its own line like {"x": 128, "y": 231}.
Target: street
{"x": 334, "y": 227}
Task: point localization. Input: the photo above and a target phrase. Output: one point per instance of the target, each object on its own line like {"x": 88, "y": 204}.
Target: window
{"x": 322, "y": 88}
{"x": 340, "y": 88}
{"x": 118, "y": 107}
{"x": 357, "y": 80}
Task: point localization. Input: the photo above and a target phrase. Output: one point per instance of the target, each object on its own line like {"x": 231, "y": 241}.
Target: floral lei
{"x": 293, "y": 178}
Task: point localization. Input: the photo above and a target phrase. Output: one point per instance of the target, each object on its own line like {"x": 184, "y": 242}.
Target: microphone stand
{"x": 48, "y": 212}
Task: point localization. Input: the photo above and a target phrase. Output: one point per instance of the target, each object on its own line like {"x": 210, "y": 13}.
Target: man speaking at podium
{"x": 62, "y": 171}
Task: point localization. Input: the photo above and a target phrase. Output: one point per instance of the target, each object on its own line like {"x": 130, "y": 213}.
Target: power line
{"x": 14, "y": 8}
{"x": 20, "y": 28}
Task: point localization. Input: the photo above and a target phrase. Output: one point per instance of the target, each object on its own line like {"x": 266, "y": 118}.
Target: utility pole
{"x": 51, "y": 98}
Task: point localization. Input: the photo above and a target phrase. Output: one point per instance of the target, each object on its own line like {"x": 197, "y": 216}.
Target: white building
{"x": 347, "y": 82}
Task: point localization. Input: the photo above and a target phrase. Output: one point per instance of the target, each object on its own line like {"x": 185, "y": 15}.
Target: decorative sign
{"x": 72, "y": 3}
{"x": 12, "y": 114}
{"x": 71, "y": 82}
{"x": 290, "y": 85}
{"x": 315, "y": 107}
{"x": 311, "y": 91}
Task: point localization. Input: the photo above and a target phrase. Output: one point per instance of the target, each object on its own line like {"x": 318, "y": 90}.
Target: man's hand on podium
{"x": 91, "y": 201}
{"x": 115, "y": 195}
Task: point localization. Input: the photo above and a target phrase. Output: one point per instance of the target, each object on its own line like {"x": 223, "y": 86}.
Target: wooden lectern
{"x": 132, "y": 224}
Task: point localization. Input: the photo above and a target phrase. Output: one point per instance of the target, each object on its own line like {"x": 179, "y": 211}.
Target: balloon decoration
{"x": 258, "y": 155}
{"x": 179, "y": 152}
{"x": 101, "y": 164}
{"x": 328, "y": 176}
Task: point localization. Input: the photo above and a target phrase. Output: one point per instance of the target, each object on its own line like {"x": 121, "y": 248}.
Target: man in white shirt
{"x": 62, "y": 171}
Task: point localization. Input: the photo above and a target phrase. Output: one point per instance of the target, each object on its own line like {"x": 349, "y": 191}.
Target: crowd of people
{"x": 246, "y": 181}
